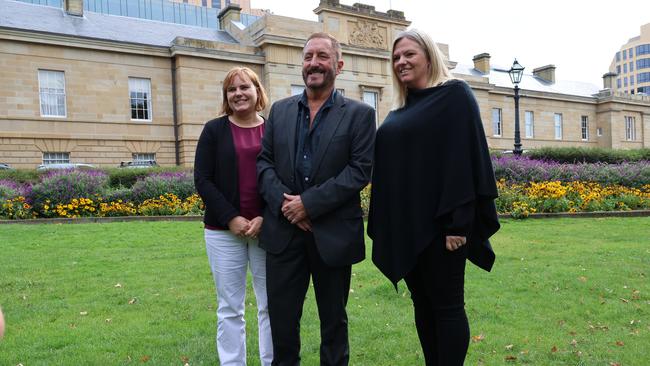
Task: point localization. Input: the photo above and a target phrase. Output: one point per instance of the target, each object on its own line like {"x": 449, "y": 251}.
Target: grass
{"x": 563, "y": 292}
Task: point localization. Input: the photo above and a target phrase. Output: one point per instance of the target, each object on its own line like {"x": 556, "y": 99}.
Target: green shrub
{"x": 588, "y": 155}
{"x": 125, "y": 177}
{"x": 20, "y": 176}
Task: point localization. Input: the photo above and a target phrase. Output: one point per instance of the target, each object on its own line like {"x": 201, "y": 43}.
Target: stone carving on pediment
{"x": 367, "y": 34}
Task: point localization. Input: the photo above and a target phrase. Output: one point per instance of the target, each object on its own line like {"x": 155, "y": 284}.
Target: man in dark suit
{"x": 316, "y": 157}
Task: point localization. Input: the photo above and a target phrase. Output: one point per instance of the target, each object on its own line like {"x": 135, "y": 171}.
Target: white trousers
{"x": 229, "y": 258}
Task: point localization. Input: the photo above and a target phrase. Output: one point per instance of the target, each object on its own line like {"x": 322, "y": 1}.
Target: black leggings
{"x": 437, "y": 290}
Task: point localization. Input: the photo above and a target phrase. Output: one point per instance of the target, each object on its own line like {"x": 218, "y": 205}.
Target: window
{"x": 558, "y": 126}
{"x": 643, "y": 49}
{"x": 618, "y": 83}
{"x": 143, "y": 157}
{"x": 631, "y": 66}
{"x": 618, "y": 56}
{"x": 632, "y": 80}
{"x": 618, "y": 69}
{"x": 51, "y": 86}
{"x": 140, "y": 95}
{"x": 297, "y": 89}
{"x": 625, "y": 68}
{"x": 341, "y": 91}
{"x": 599, "y": 131}
{"x": 56, "y": 158}
{"x": 624, "y": 54}
{"x": 371, "y": 98}
{"x": 630, "y": 129}
{"x": 584, "y": 127}
{"x": 529, "y": 124}
{"x": 643, "y": 77}
{"x": 643, "y": 63}
{"x": 496, "y": 122}
{"x": 630, "y": 52}
{"x": 643, "y": 90}
{"x": 625, "y": 81}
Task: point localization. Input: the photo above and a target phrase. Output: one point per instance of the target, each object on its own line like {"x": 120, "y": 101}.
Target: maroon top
{"x": 248, "y": 144}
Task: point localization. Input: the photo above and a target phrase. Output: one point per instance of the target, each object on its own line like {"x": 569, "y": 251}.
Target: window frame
{"x": 557, "y": 125}
{"x": 497, "y": 125}
{"x": 132, "y": 89}
{"x": 47, "y": 73}
{"x": 630, "y": 128}
{"x": 584, "y": 128}
{"x": 64, "y": 158}
{"x": 529, "y": 125}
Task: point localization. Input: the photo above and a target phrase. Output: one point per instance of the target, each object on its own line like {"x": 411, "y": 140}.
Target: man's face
{"x": 319, "y": 64}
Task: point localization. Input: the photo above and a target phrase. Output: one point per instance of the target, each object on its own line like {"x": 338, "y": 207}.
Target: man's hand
{"x": 454, "y": 242}
{"x": 254, "y": 227}
{"x": 304, "y": 225}
{"x": 238, "y": 225}
{"x": 293, "y": 209}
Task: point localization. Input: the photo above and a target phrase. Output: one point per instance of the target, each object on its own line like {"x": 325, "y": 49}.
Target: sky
{"x": 579, "y": 37}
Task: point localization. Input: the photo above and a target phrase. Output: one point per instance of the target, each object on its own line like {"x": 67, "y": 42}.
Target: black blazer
{"x": 216, "y": 173}
{"x": 340, "y": 169}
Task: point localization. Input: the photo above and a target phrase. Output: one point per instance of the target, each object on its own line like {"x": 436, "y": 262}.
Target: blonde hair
{"x": 262, "y": 99}
{"x": 438, "y": 72}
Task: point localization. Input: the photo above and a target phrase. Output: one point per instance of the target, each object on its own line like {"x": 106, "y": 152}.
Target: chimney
{"x": 608, "y": 80}
{"x": 482, "y": 62}
{"x": 546, "y": 73}
{"x": 231, "y": 13}
{"x": 74, "y": 7}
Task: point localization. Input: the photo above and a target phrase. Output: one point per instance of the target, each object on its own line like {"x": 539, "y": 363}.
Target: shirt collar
{"x": 328, "y": 103}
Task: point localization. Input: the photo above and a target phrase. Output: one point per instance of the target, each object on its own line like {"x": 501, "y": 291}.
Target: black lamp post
{"x": 516, "y": 72}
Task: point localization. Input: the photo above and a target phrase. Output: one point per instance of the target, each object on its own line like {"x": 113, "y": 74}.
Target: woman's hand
{"x": 254, "y": 227}
{"x": 238, "y": 225}
{"x": 454, "y": 242}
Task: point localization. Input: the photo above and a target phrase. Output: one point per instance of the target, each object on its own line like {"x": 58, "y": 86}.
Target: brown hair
{"x": 336, "y": 46}
{"x": 262, "y": 99}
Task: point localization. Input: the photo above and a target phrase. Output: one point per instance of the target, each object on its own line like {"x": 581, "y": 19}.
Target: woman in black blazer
{"x": 225, "y": 177}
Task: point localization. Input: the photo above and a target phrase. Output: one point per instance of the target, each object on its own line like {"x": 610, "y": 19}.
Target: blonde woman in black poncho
{"x": 433, "y": 191}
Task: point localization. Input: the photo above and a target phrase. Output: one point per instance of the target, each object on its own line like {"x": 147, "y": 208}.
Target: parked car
{"x": 44, "y": 167}
{"x": 5, "y": 166}
{"x": 138, "y": 164}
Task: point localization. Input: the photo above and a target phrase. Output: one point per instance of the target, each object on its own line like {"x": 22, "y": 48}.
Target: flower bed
{"x": 525, "y": 186}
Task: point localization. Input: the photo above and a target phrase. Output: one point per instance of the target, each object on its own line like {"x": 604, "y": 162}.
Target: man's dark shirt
{"x": 307, "y": 139}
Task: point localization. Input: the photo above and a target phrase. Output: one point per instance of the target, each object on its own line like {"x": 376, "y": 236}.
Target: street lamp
{"x": 516, "y": 72}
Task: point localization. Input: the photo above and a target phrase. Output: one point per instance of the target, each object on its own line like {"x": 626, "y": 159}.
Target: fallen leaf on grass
{"x": 614, "y": 364}
{"x": 574, "y": 343}
{"x": 478, "y": 338}
{"x": 108, "y": 320}
{"x": 118, "y": 285}
{"x": 83, "y": 313}
{"x": 72, "y": 325}
{"x": 620, "y": 343}
{"x": 553, "y": 349}
{"x": 582, "y": 279}
{"x": 511, "y": 358}
{"x": 624, "y": 300}
{"x": 133, "y": 301}
{"x": 509, "y": 347}
{"x": 144, "y": 358}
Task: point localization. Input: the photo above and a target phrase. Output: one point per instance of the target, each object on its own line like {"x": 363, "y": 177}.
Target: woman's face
{"x": 241, "y": 95}
{"x": 410, "y": 64}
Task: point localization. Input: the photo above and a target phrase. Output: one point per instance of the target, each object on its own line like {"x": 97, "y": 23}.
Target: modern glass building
{"x": 631, "y": 64}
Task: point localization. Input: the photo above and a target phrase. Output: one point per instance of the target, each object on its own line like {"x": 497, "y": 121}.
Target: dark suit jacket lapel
{"x": 289, "y": 120}
{"x": 330, "y": 125}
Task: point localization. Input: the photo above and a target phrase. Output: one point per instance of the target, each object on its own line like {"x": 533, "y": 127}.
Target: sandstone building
{"x": 88, "y": 86}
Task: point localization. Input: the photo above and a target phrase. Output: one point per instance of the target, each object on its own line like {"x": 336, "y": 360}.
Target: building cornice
{"x": 269, "y": 39}
{"x": 82, "y": 42}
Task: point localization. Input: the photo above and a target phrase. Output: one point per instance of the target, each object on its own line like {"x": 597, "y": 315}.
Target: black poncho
{"x": 431, "y": 157}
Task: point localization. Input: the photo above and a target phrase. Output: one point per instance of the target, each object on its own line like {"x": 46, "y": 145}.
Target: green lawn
{"x": 563, "y": 292}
